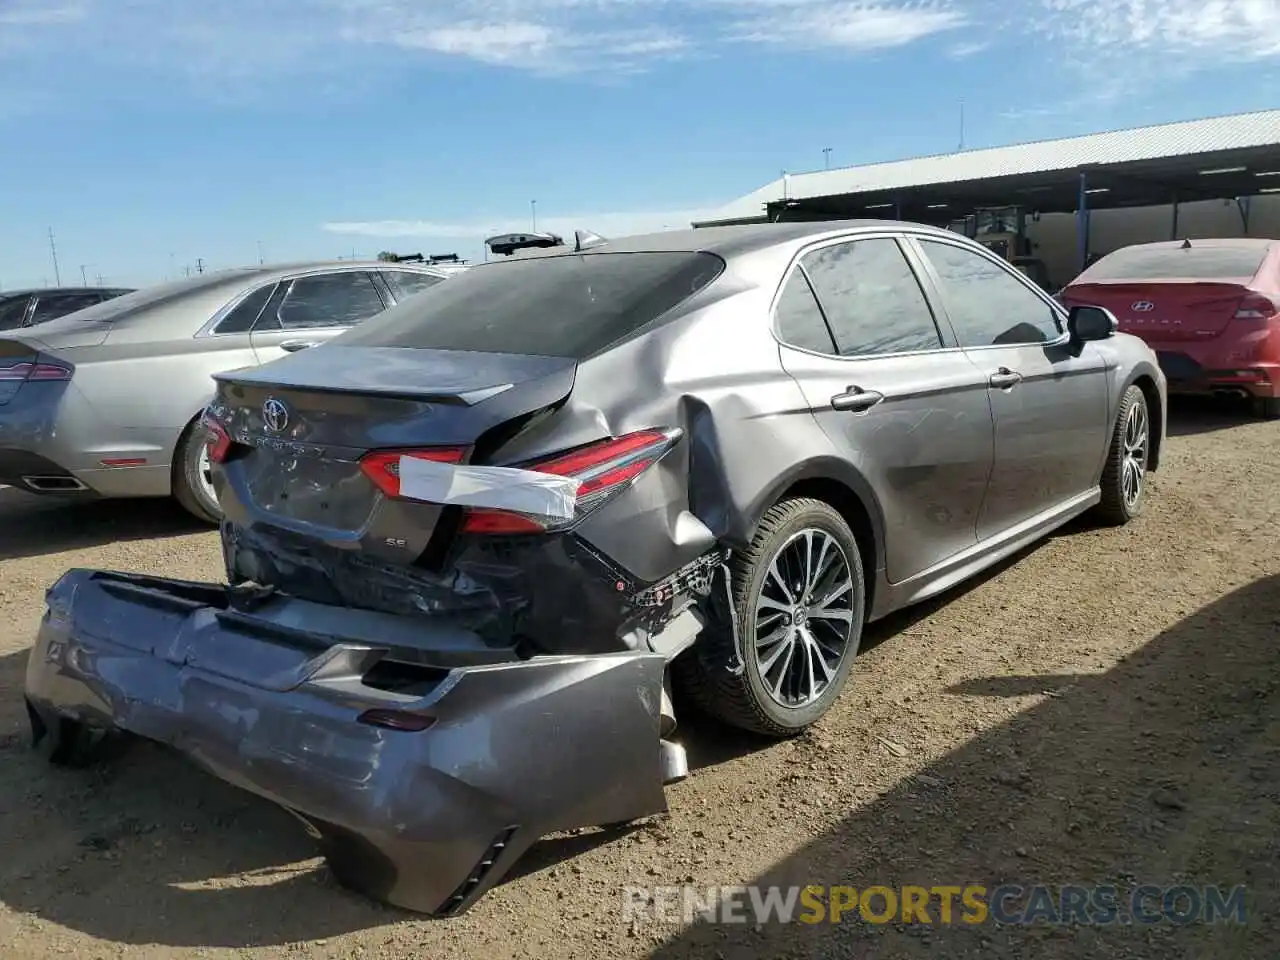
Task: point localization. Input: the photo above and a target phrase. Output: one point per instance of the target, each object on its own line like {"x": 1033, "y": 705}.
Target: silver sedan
{"x": 107, "y": 401}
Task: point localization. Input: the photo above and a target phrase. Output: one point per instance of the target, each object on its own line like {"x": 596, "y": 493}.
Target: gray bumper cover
{"x": 268, "y": 700}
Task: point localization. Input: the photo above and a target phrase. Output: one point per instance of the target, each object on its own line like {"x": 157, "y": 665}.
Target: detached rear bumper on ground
{"x": 425, "y": 801}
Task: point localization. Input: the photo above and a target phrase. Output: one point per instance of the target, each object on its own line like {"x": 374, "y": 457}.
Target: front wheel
{"x": 192, "y": 475}
{"x": 1124, "y": 478}
{"x": 1267, "y": 408}
{"x": 799, "y": 594}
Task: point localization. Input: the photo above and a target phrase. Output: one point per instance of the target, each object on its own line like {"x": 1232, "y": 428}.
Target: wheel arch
{"x": 840, "y": 485}
{"x": 1144, "y": 379}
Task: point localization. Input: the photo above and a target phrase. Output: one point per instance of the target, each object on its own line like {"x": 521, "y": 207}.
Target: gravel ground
{"x": 1104, "y": 709}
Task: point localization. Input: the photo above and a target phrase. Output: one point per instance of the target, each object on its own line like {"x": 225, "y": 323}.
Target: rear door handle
{"x": 293, "y": 346}
{"x": 1004, "y": 379}
{"x": 856, "y": 400}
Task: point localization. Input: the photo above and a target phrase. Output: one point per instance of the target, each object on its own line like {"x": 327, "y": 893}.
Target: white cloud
{"x": 855, "y": 26}
{"x": 352, "y": 38}
{"x": 617, "y": 224}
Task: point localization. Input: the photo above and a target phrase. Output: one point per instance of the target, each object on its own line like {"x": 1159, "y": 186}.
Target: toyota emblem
{"x": 275, "y": 415}
{"x": 1143, "y": 306}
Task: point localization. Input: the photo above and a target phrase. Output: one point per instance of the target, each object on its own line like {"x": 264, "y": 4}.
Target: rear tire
{"x": 64, "y": 742}
{"x": 796, "y": 656}
{"x": 191, "y": 487}
{"x": 1267, "y": 408}
{"x": 1124, "y": 478}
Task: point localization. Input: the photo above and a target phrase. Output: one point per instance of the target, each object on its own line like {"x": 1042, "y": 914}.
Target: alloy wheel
{"x": 1133, "y": 471}
{"x": 804, "y": 618}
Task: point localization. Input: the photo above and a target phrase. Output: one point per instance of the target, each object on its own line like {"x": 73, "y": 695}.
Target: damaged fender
{"x": 423, "y": 794}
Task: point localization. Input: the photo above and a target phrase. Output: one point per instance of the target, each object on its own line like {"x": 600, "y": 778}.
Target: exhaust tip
{"x": 675, "y": 762}
{"x": 54, "y": 484}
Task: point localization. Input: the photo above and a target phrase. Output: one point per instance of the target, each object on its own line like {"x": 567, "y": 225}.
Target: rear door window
{"x": 405, "y": 284}
{"x": 799, "y": 318}
{"x": 329, "y": 300}
{"x": 244, "y": 314}
{"x": 561, "y": 306}
{"x": 871, "y": 298}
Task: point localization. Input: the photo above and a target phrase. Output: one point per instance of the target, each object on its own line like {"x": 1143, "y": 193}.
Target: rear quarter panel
{"x": 715, "y": 373}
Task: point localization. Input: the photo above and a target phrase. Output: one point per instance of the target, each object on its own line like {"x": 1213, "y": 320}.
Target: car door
{"x": 892, "y": 391}
{"x": 1048, "y": 398}
{"x": 406, "y": 283}
{"x": 307, "y": 310}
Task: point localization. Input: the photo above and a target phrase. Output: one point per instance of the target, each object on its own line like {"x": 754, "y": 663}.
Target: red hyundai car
{"x": 1210, "y": 309}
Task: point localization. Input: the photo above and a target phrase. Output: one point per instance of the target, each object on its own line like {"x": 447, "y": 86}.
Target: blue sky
{"x": 150, "y": 133}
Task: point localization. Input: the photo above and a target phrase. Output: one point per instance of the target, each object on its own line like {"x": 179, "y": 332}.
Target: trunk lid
{"x": 302, "y": 424}
{"x": 1165, "y": 311}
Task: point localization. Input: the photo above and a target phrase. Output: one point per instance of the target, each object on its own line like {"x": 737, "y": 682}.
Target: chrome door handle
{"x": 1004, "y": 379}
{"x": 856, "y": 400}
{"x": 293, "y": 346}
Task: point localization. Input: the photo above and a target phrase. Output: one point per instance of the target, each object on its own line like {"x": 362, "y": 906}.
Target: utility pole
{"x": 187, "y": 269}
{"x": 961, "y": 147}
{"x": 199, "y": 264}
{"x": 101, "y": 282}
{"x": 84, "y": 277}
{"x": 826, "y": 154}
{"x": 261, "y": 261}
{"x": 533, "y": 212}
{"x": 173, "y": 269}
{"x": 53, "y": 250}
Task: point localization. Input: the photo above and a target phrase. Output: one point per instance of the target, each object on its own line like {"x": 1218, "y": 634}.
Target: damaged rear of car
{"x": 460, "y": 558}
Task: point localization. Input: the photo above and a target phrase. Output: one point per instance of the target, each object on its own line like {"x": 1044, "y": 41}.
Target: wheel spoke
{"x": 780, "y": 581}
{"x": 785, "y": 672}
{"x": 775, "y": 637}
{"x": 788, "y": 642}
{"x": 816, "y": 649}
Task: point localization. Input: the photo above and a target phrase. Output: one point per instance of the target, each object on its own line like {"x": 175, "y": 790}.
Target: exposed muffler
{"x": 1231, "y": 393}
{"x": 54, "y": 484}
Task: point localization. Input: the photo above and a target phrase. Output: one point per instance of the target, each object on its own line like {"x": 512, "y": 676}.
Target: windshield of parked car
{"x": 562, "y": 306}
{"x": 1208, "y": 262}
{"x": 12, "y": 310}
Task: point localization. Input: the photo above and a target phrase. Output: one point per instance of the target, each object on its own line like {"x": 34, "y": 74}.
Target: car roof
{"x": 54, "y": 291}
{"x": 730, "y": 241}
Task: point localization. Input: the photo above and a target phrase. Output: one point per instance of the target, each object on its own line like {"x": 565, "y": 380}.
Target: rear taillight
{"x": 35, "y": 371}
{"x": 1255, "y": 306}
{"x": 603, "y": 470}
{"x": 383, "y": 466}
{"x": 218, "y": 441}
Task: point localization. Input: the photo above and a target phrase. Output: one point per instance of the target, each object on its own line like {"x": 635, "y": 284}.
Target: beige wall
{"x": 1055, "y": 234}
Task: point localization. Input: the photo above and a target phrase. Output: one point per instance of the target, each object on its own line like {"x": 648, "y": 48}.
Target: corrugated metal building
{"x": 1196, "y": 162}
{"x": 1171, "y": 158}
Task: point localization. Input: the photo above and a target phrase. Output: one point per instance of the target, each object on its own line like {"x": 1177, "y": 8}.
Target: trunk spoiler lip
{"x": 275, "y": 375}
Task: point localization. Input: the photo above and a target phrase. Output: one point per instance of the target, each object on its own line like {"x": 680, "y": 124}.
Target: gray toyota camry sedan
{"x": 467, "y": 546}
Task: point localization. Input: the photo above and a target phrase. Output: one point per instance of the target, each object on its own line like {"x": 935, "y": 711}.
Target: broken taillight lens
{"x": 218, "y": 441}
{"x": 603, "y": 470}
{"x": 383, "y": 466}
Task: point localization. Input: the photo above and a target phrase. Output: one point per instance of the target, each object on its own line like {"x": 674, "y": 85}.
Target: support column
{"x": 1082, "y": 222}
{"x": 1242, "y": 204}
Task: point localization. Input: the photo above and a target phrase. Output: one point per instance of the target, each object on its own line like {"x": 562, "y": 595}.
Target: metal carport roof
{"x": 1218, "y": 157}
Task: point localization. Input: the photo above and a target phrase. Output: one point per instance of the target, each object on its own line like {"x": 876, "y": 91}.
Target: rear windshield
{"x": 1177, "y": 263}
{"x": 561, "y": 306}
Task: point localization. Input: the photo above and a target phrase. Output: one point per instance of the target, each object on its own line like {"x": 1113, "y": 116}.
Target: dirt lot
{"x": 1104, "y": 709}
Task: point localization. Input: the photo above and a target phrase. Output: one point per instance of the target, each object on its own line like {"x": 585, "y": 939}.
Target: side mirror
{"x": 1091, "y": 323}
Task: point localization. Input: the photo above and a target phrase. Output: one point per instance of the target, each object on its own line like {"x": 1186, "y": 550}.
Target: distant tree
{"x": 388, "y": 257}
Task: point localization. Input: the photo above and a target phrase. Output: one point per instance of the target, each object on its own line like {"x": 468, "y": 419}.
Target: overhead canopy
{"x": 1222, "y": 157}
